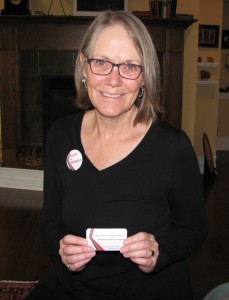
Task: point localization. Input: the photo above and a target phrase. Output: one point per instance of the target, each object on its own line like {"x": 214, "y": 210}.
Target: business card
{"x": 106, "y": 239}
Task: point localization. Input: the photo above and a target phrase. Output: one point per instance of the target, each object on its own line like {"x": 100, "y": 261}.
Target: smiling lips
{"x": 111, "y": 95}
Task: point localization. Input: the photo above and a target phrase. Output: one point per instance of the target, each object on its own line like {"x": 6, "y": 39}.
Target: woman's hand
{"x": 75, "y": 252}
{"x": 141, "y": 249}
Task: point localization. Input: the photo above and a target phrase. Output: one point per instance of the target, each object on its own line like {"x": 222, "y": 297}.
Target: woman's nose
{"x": 114, "y": 79}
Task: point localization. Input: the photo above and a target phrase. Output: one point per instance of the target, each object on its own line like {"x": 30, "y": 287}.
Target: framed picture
{"x": 225, "y": 39}
{"x": 95, "y": 7}
{"x": 208, "y": 36}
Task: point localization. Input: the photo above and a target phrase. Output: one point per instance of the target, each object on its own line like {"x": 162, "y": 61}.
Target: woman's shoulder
{"x": 169, "y": 135}
{"x": 171, "y": 143}
{"x": 166, "y": 129}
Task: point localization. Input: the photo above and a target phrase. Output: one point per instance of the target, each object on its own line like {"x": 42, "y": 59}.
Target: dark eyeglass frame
{"x": 90, "y": 60}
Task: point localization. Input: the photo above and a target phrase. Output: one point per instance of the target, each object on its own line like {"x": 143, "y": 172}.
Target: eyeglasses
{"x": 104, "y": 67}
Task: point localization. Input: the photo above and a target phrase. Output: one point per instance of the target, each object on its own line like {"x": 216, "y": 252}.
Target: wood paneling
{"x": 9, "y": 95}
{"x": 51, "y": 37}
{"x": 7, "y": 37}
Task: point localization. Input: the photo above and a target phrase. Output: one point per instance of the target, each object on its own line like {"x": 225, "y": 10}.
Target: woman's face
{"x": 111, "y": 95}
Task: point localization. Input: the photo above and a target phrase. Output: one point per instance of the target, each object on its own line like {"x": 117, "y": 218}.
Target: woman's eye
{"x": 100, "y": 63}
{"x": 131, "y": 67}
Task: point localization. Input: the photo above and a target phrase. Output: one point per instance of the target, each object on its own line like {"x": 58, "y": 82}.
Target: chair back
{"x": 220, "y": 292}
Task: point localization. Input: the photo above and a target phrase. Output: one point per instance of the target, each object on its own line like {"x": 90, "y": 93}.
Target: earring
{"x": 84, "y": 82}
{"x": 141, "y": 92}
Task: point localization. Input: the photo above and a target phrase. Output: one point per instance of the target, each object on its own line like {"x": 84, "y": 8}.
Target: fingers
{"x": 141, "y": 249}
{"x": 78, "y": 266}
{"x": 141, "y": 236}
{"x": 73, "y": 240}
{"x": 141, "y": 242}
{"x": 75, "y": 253}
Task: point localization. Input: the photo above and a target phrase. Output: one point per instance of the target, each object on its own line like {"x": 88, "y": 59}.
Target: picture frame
{"x": 225, "y": 39}
{"x": 208, "y": 36}
{"x": 95, "y": 7}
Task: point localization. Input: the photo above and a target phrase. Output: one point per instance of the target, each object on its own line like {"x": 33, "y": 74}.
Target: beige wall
{"x": 224, "y": 76}
{"x": 207, "y": 97}
{"x": 1, "y": 6}
{"x": 223, "y": 117}
{"x": 189, "y": 78}
{"x": 223, "y": 125}
{"x": 43, "y": 5}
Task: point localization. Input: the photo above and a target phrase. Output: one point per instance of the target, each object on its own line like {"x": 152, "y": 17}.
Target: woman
{"x": 117, "y": 165}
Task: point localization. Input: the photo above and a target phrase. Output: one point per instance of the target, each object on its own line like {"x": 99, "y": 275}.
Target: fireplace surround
{"x": 50, "y": 100}
{"x": 35, "y": 50}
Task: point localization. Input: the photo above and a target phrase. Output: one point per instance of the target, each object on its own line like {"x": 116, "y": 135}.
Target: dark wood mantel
{"x": 61, "y": 33}
{"x": 44, "y": 19}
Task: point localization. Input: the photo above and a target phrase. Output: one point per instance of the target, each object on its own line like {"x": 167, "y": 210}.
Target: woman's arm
{"x": 188, "y": 216}
{"x": 187, "y": 213}
{"x": 52, "y": 229}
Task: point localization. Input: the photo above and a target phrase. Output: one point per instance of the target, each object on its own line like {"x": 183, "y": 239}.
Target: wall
{"x": 1, "y": 7}
{"x": 224, "y": 80}
{"x": 43, "y": 5}
{"x": 223, "y": 120}
{"x": 207, "y": 97}
{"x": 189, "y": 78}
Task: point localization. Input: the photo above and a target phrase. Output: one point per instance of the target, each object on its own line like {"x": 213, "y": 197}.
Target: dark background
{"x": 97, "y": 5}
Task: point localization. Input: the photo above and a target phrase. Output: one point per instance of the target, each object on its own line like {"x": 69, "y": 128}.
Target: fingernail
{"x": 90, "y": 249}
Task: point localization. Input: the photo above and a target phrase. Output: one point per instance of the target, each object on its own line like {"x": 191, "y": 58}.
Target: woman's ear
{"x": 82, "y": 61}
{"x": 82, "y": 58}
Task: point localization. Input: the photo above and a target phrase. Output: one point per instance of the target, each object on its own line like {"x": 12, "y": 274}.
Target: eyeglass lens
{"x": 126, "y": 70}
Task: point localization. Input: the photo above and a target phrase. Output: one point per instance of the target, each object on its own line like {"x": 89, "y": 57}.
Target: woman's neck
{"x": 108, "y": 127}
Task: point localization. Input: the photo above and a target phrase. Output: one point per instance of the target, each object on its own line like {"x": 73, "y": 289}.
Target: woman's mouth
{"x": 111, "y": 95}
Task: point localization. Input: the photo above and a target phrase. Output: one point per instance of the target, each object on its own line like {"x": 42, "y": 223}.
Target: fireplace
{"x": 47, "y": 92}
{"x": 59, "y": 96}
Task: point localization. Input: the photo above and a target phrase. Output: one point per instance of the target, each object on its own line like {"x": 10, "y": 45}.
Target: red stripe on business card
{"x": 96, "y": 245}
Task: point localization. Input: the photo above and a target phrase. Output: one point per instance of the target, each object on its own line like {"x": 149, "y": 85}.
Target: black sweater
{"x": 157, "y": 188}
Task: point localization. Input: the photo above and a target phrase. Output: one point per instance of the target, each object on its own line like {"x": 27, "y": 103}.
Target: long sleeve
{"x": 189, "y": 223}
{"x": 52, "y": 229}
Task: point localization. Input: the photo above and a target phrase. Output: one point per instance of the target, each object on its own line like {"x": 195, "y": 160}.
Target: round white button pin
{"x": 74, "y": 160}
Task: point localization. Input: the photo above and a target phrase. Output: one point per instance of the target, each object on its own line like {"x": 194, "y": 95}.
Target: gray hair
{"x": 149, "y": 105}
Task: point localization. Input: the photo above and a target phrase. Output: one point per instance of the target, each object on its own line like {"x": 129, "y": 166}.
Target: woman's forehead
{"x": 115, "y": 40}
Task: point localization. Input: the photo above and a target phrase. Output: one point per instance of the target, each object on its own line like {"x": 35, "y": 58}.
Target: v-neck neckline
{"x": 119, "y": 163}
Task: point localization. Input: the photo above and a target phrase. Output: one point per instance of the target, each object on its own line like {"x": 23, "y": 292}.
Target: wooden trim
{"x": 168, "y": 22}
